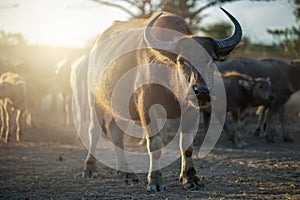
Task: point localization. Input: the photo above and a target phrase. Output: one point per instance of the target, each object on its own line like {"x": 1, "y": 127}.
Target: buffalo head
{"x": 216, "y": 49}
{"x": 261, "y": 89}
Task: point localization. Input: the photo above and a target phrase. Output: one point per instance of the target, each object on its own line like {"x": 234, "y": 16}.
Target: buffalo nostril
{"x": 204, "y": 89}
{"x": 196, "y": 90}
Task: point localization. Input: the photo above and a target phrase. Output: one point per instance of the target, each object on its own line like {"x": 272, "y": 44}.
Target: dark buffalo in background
{"x": 242, "y": 92}
{"x": 285, "y": 82}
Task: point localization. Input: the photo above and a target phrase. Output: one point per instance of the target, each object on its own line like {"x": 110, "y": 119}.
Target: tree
{"x": 289, "y": 37}
{"x": 190, "y": 10}
{"x": 12, "y": 38}
{"x": 218, "y": 30}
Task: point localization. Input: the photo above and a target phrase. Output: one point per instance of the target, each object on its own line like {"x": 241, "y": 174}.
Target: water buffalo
{"x": 63, "y": 70}
{"x": 168, "y": 51}
{"x": 78, "y": 83}
{"x": 242, "y": 92}
{"x": 285, "y": 81}
{"x": 13, "y": 103}
{"x": 5, "y": 115}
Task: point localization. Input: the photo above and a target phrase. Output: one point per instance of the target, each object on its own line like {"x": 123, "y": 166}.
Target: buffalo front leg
{"x": 188, "y": 175}
{"x": 154, "y": 145}
{"x": 261, "y": 121}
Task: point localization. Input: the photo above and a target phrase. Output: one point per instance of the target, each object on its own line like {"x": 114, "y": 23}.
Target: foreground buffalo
{"x": 62, "y": 72}
{"x": 166, "y": 52}
{"x": 285, "y": 81}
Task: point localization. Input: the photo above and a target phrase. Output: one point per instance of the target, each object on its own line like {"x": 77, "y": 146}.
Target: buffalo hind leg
{"x": 285, "y": 134}
{"x": 90, "y": 167}
{"x": 270, "y": 127}
{"x": 239, "y": 141}
{"x": 117, "y": 137}
{"x": 2, "y": 118}
{"x": 188, "y": 175}
{"x": 18, "y": 128}
{"x": 7, "y": 112}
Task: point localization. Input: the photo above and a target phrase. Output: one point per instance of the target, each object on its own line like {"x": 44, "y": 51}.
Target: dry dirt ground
{"x": 48, "y": 162}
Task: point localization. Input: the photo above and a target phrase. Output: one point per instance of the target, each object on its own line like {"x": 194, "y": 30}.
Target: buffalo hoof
{"x": 90, "y": 172}
{"x": 270, "y": 140}
{"x": 191, "y": 181}
{"x": 241, "y": 145}
{"x": 156, "y": 188}
{"x": 3, "y": 141}
{"x": 288, "y": 139}
{"x": 155, "y": 182}
{"x": 257, "y": 133}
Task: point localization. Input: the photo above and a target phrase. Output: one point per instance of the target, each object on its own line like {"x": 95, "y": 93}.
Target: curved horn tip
{"x": 226, "y": 45}
{"x": 225, "y": 11}
{"x": 157, "y": 15}
{"x": 233, "y": 19}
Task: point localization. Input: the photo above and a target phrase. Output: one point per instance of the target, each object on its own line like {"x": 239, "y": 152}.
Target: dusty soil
{"x": 48, "y": 162}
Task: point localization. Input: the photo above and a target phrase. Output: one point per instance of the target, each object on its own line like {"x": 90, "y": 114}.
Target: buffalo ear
{"x": 180, "y": 61}
{"x": 246, "y": 84}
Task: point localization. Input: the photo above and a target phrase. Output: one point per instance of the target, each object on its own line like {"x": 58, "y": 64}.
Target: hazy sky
{"x": 75, "y": 22}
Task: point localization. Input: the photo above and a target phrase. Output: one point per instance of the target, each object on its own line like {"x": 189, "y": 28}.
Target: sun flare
{"x": 59, "y": 23}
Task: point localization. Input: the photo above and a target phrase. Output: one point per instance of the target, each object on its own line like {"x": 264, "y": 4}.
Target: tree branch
{"x": 116, "y": 6}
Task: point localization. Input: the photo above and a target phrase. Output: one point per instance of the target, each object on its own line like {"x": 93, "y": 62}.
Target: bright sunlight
{"x": 57, "y": 23}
